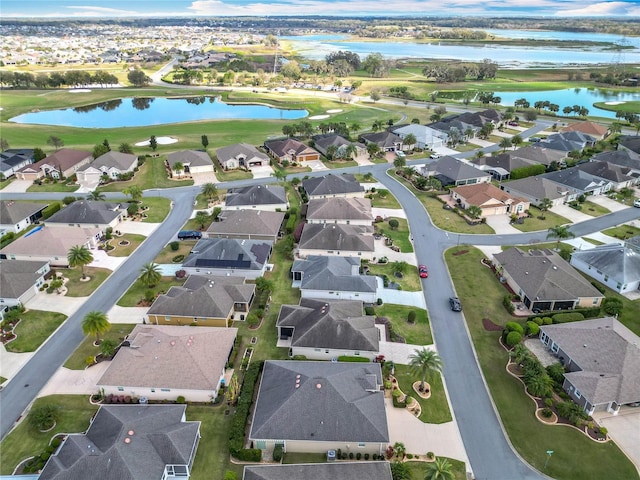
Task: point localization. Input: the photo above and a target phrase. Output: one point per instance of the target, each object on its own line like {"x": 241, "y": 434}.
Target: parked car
{"x": 434, "y": 156}
{"x": 636, "y": 203}
{"x": 455, "y": 304}
{"x": 422, "y": 270}
{"x": 513, "y": 123}
{"x": 189, "y": 234}
{"x": 535, "y": 139}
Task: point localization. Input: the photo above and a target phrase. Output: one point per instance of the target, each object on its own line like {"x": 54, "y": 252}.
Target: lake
{"x": 140, "y": 112}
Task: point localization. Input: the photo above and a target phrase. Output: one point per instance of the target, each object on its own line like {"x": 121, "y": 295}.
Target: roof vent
{"x": 318, "y": 386}
{"x": 585, "y": 345}
{"x": 526, "y": 273}
{"x": 127, "y": 440}
{"x": 131, "y": 432}
{"x": 555, "y": 267}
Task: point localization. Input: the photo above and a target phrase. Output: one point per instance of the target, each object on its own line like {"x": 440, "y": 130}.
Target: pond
{"x": 140, "y": 112}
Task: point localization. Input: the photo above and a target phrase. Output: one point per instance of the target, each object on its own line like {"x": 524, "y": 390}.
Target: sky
{"x": 192, "y": 8}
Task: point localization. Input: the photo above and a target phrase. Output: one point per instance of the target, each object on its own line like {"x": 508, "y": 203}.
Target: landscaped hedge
{"x": 567, "y": 317}
{"x": 529, "y": 171}
{"x": 236, "y": 432}
{"x": 346, "y": 358}
{"x": 50, "y": 210}
{"x": 593, "y": 312}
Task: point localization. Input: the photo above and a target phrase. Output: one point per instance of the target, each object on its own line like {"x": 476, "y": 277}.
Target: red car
{"x": 422, "y": 270}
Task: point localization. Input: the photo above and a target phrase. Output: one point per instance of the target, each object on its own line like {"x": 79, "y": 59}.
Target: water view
{"x": 140, "y": 112}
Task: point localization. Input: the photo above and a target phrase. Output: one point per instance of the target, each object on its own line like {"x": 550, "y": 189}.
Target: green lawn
{"x": 535, "y": 223}
{"x": 400, "y": 235}
{"x": 166, "y": 255}
{"x": 592, "y": 241}
{"x": 291, "y": 457}
{"x": 136, "y": 292}
{"x": 158, "y": 209}
{"x": 124, "y": 251}
{"x": 24, "y": 441}
{"x": 630, "y": 316}
{"x": 2, "y": 380}
{"x": 78, "y": 359}
{"x": 418, "y": 469}
{"x": 434, "y": 409}
{"x": 594, "y": 209}
{"x": 152, "y": 174}
{"x": 387, "y": 200}
{"x": 53, "y": 187}
{"x": 575, "y": 455}
{"x": 340, "y": 164}
{"x": 212, "y": 457}
{"x": 231, "y": 175}
{"x": 410, "y": 280}
{"x": 34, "y": 328}
{"x": 622, "y": 232}
{"x": 418, "y": 333}
{"x": 76, "y": 288}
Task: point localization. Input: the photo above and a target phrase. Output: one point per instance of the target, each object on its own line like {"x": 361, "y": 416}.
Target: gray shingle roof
{"x": 247, "y": 222}
{"x": 333, "y": 273}
{"x": 631, "y": 142}
{"x": 18, "y": 276}
{"x": 607, "y": 171}
{"x": 336, "y": 324}
{"x": 208, "y": 297}
{"x": 333, "y": 402}
{"x": 192, "y": 158}
{"x": 120, "y": 161}
{"x": 332, "y": 185}
{"x": 339, "y": 237}
{"x": 382, "y": 139}
{"x": 454, "y": 169}
{"x": 339, "y": 208}
{"x": 608, "y": 354}
{"x": 160, "y": 437}
{"x": 88, "y": 212}
{"x": 538, "y": 187}
{"x": 320, "y": 471}
{"x": 256, "y": 195}
{"x": 286, "y": 146}
{"x": 618, "y": 157}
{"x": 544, "y": 275}
{"x": 63, "y": 159}
{"x": 12, "y": 157}
{"x": 240, "y": 150}
{"x": 620, "y": 262}
{"x": 576, "y": 178}
{"x": 323, "y": 142}
{"x": 13, "y": 212}
{"x": 229, "y": 253}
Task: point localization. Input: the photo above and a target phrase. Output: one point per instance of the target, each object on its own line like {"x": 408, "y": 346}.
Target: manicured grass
{"x": 622, "y": 232}
{"x": 418, "y": 333}
{"x": 400, "y": 235}
{"x": 152, "y": 174}
{"x": 535, "y": 223}
{"x": 53, "y": 187}
{"x": 410, "y": 280}
{"x": 387, "y": 200}
{"x": 34, "y": 328}
{"x": 627, "y": 106}
{"x": 231, "y": 175}
{"x": 212, "y": 457}
{"x": 418, "y": 469}
{"x": 362, "y": 178}
{"x": 5, "y": 182}
{"x": 466, "y": 147}
{"x": 76, "y": 288}
{"x": 592, "y": 241}
{"x": 630, "y": 316}
{"x": 434, "y": 409}
{"x": 340, "y": 164}
{"x": 575, "y": 455}
{"x": 136, "y": 292}
{"x": 158, "y": 209}
{"x": 24, "y": 441}
{"x": 2, "y": 380}
{"x": 125, "y": 251}
{"x": 166, "y": 255}
{"x": 78, "y": 359}
{"x": 594, "y": 209}
{"x": 291, "y": 457}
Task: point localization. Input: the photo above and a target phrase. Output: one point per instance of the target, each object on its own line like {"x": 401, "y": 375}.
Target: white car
{"x": 434, "y": 156}
{"x": 636, "y": 203}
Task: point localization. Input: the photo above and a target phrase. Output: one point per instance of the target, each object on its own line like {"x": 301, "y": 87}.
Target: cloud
{"x": 92, "y": 11}
{"x": 603, "y": 9}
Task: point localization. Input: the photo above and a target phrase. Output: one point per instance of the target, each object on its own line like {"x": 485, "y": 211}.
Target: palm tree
{"x": 516, "y": 140}
{"x": 95, "y": 323}
{"x": 377, "y": 125}
{"x": 280, "y": 174}
{"x": 474, "y": 211}
{"x": 479, "y": 154}
{"x": 410, "y": 140}
{"x": 178, "y": 167}
{"x": 96, "y": 196}
{"x": 210, "y": 190}
{"x": 150, "y": 274}
{"x": 134, "y": 192}
{"x": 439, "y": 470}
{"x": 373, "y": 149}
{"x": 540, "y": 385}
{"x": 561, "y": 232}
{"x": 424, "y": 363}
{"x": 355, "y": 126}
{"x": 201, "y": 218}
{"x": 79, "y": 256}
{"x": 545, "y": 204}
{"x": 505, "y": 143}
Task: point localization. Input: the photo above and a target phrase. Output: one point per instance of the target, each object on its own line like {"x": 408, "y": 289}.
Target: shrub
{"x": 177, "y": 259}
{"x": 393, "y": 224}
{"x": 181, "y": 274}
{"x": 249, "y": 455}
{"x": 366, "y": 456}
{"x": 68, "y": 200}
{"x": 277, "y": 453}
{"x": 556, "y": 372}
{"x": 409, "y": 455}
{"x": 90, "y": 360}
{"x": 56, "y": 442}
{"x": 536, "y": 320}
{"x": 506, "y": 302}
{"x": 351, "y": 455}
{"x": 44, "y": 416}
{"x": 230, "y": 475}
{"x": 547, "y": 320}
{"x": 358, "y": 456}
{"x": 599, "y": 287}
{"x": 253, "y": 320}
{"x": 50, "y": 210}
{"x": 45, "y": 456}
{"x": 548, "y": 402}
{"x": 604, "y": 431}
{"x": 514, "y": 327}
{"x": 239, "y": 422}
{"x": 431, "y": 455}
{"x": 546, "y": 412}
{"x": 532, "y": 328}
{"x": 388, "y": 385}
{"x": 411, "y": 317}
{"x": 567, "y": 317}
{"x": 180, "y": 399}
{"x": 369, "y": 311}
{"x": 346, "y": 358}
{"x": 612, "y": 306}
{"x": 514, "y": 338}
{"x": 174, "y": 246}
{"x": 149, "y": 295}
{"x": 344, "y": 455}
{"x": 379, "y": 302}
{"x": 339, "y": 453}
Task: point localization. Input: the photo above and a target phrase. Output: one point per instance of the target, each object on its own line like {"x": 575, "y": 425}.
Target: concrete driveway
{"x": 607, "y": 202}
{"x": 118, "y": 314}
{"x": 262, "y": 171}
{"x": 11, "y": 363}
{"x": 381, "y": 250}
{"x": 102, "y": 260}
{"x": 17, "y": 186}
{"x": 572, "y": 214}
{"x": 624, "y": 429}
{"x": 204, "y": 177}
{"x": 315, "y": 165}
{"x": 52, "y": 302}
{"x": 140, "y": 228}
{"x": 388, "y": 212}
{"x": 501, "y": 224}
{"x": 74, "y": 382}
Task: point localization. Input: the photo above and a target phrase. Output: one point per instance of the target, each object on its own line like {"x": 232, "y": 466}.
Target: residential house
{"x": 602, "y": 360}
{"x": 17, "y": 216}
{"x": 229, "y": 257}
{"x": 241, "y": 155}
{"x": 88, "y": 214}
{"x": 490, "y": 199}
{"x": 20, "y": 281}
{"x": 580, "y": 181}
{"x": 544, "y": 281}
{"x": 617, "y": 176}
{"x": 330, "y": 276}
{"x": 13, "y": 159}
{"x": 133, "y": 442}
{"x": 426, "y": 137}
{"x": 259, "y": 197}
{"x": 567, "y": 142}
{"x": 589, "y": 128}
{"x": 630, "y": 144}
{"x": 111, "y": 165}
{"x": 320, "y": 471}
{"x": 621, "y": 158}
{"x": 203, "y": 301}
{"x": 291, "y": 150}
{"x": 615, "y": 265}
{"x": 467, "y": 122}
{"x": 193, "y": 161}
{"x": 249, "y": 224}
{"x": 539, "y": 154}
{"x": 535, "y": 189}
{"x": 451, "y": 171}
{"x": 51, "y": 244}
{"x": 323, "y": 143}
{"x": 331, "y": 185}
{"x": 164, "y": 362}
{"x": 312, "y": 407}
{"x": 501, "y": 165}
{"x": 387, "y": 141}
{"x": 337, "y": 239}
{"x": 351, "y": 210}
{"x": 327, "y": 329}
{"x": 63, "y": 163}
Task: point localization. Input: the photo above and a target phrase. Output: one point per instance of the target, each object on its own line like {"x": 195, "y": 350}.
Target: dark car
{"x": 189, "y": 234}
{"x": 455, "y": 304}
{"x": 422, "y": 270}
